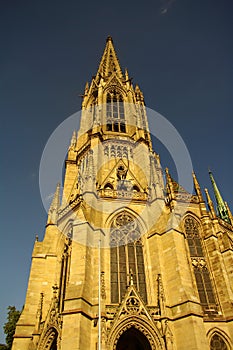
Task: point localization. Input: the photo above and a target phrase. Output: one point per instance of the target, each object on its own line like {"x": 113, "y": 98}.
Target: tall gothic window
{"x": 65, "y": 265}
{"x": 127, "y": 263}
{"x": 217, "y": 343}
{"x": 201, "y": 272}
{"x": 115, "y": 115}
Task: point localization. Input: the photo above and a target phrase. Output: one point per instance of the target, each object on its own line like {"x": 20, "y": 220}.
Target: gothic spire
{"x": 109, "y": 63}
{"x": 221, "y": 206}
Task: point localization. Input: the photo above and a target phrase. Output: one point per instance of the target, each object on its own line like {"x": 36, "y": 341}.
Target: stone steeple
{"x": 111, "y": 102}
{"x": 109, "y": 63}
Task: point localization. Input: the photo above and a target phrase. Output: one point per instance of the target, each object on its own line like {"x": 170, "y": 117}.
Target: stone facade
{"x": 128, "y": 261}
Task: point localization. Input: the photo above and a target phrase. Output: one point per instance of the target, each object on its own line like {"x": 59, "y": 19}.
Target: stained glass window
{"x": 203, "y": 281}
{"x": 126, "y": 257}
{"x": 217, "y": 343}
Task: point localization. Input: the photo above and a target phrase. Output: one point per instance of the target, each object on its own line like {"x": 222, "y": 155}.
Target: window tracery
{"x": 202, "y": 276}
{"x": 115, "y": 115}
{"x": 126, "y": 257}
{"x": 217, "y": 343}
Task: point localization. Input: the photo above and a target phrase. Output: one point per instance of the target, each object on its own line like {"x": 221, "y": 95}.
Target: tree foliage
{"x": 3, "y": 347}
{"x": 9, "y": 327}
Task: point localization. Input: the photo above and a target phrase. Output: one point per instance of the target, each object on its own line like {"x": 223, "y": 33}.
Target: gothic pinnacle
{"x": 73, "y": 139}
{"x": 52, "y": 213}
{"x": 210, "y": 204}
{"x": 197, "y": 187}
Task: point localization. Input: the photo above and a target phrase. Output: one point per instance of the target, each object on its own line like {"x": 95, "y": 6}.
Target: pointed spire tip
{"x": 109, "y": 38}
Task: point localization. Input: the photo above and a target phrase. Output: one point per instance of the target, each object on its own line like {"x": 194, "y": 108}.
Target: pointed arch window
{"x": 202, "y": 276}
{"x": 126, "y": 256}
{"x": 115, "y": 114}
{"x": 217, "y": 343}
{"x": 64, "y": 271}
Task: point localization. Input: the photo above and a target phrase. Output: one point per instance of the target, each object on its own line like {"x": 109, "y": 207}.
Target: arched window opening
{"x": 54, "y": 344}
{"x": 108, "y": 186}
{"x": 50, "y": 342}
{"x": 115, "y": 115}
{"x": 65, "y": 266}
{"x": 202, "y": 276}
{"x": 217, "y": 343}
{"x": 136, "y": 188}
{"x": 126, "y": 257}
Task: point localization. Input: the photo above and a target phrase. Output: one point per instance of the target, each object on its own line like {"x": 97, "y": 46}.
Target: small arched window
{"x": 202, "y": 276}
{"x": 108, "y": 186}
{"x": 115, "y": 115}
{"x": 127, "y": 261}
{"x": 217, "y": 343}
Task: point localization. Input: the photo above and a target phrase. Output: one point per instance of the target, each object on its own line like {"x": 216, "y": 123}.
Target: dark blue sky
{"x": 181, "y": 54}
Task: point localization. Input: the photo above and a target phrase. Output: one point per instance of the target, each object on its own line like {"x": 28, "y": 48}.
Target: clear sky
{"x": 181, "y": 54}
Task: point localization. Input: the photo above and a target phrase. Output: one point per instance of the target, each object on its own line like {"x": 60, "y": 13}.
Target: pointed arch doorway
{"x": 133, "y": 339}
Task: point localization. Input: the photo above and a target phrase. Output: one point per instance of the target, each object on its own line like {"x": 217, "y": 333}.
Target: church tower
{"x": 130, "y": 259}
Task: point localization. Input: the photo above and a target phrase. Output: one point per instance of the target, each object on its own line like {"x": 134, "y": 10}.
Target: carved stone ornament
{"x": 52, "y": 325}
{"x": 134, "y": 314}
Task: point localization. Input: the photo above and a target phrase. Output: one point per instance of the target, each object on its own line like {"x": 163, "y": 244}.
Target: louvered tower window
{"x": 126, "y": 257}
{"x": 115, "y": 115}
{"x": 201, "y": 272}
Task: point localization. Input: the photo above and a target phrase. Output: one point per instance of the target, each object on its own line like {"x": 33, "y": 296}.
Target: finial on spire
{"x": 109, "y": 38}
{"x": 221, "y": 206}
{"x": 126, "y": 74}
{"x": 86, "y": 88}
{"x": 73, "y": 140}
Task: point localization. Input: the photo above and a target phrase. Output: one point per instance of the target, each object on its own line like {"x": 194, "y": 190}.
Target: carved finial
{"x": 73, "y": 140}
{"x": 36, "y": 238}
{"x": 126, "y": 74}
{"x": 55, "y": 288}
{"x": 86, "y": 88}
{"x": 109, "y": 38}
{"x": 169, "y": 183}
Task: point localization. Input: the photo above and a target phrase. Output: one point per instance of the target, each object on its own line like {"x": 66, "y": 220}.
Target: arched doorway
{"x": 132, "y": 339}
